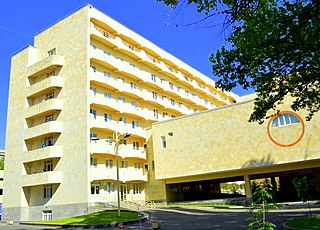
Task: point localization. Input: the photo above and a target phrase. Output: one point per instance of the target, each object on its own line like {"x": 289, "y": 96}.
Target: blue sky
{"x": 20, "y": 20}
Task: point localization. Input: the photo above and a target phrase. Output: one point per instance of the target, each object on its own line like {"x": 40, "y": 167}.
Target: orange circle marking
{"x": 290, "y": 144}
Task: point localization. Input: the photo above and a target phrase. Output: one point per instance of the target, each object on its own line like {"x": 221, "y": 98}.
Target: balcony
{"x": 101, "y": 172}
{"x": 110, "y": 103}
{"x": 43, "y": 107}
{"x": 132, "y": 174}
{"x": 52, "y": 177}
{"x": 42, "y": 154}
{"x": 41, "y": 66}
{"x": 42, "y": 129}
{"x": 50, "y": 82}
{"x": 135, "y": 153}
{"x": 99, "y": 122}
{"x": 102, "y": 146}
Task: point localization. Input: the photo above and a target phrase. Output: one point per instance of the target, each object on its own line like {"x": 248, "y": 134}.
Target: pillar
{"x": 247, "y": 188}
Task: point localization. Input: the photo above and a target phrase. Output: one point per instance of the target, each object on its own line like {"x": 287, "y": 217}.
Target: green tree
{"x": 302, "y": 187}
{"x": 262, "y": 201}
{"x": 273, "y": 47}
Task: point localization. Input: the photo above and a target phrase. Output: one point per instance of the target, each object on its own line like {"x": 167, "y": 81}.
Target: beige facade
{"x": 86, "y": 79}
{"x": 2, "y": 153}
{"x": 220, "y": 145}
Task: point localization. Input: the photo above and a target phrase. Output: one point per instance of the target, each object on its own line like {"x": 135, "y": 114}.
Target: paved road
{"x": 195, "y": 219}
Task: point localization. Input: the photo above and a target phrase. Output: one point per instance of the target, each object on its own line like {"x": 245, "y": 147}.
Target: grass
{"x": 305, "y": 223}
{"x": 104, "y": 217}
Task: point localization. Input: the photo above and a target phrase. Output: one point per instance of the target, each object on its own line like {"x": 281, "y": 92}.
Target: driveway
{"x": 197, "y": 219}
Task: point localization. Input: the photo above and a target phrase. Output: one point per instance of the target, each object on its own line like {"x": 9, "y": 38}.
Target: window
{"x": 48, "y": 141}
{"x": 136, "y": 145}
{"x": 93, "y": 161}
{"x": 52, "y": 73}
{"x": 155, "y": 113}
{"x": 52, "y": 52}
{"x": 179, "y": 104}
{"x": 49, "y": 117}
{"x": 134, "y": 104}
{"x": 106, "y": 74}
{"x": 284, "y": 119}
{"x": 121, "y": 99}
{"x": 178, "y": 88}
{"x": 49, "y": 95}
{"x": 46, "y": 215}
{"x": 173, "y": 116}
{"x": 109, "y": 187}
{"x": 132, "y": 65}
{"x": 94, "y": 69}
{"x": 164, "y": 97}
{"x": 93, "y": 90}
{"x": 172, "y": 101}
{"x": 1, "y": 191}
{"x": 154, "y": 95}
{"x": 93, "y": 46}
{"x": 109, "y": 163}
{"x": 165, "y": 114}
{"x": 93, "y": 136}
{"x": 136, "y": 188}
{"x": 94, "y": 113}
{"x": 163, "y": 142}
{"x": 124, "y": 164}
{"x": 170, "y": 85}
{"x": 106, "y": 53}
{"x": 48, "y": 166}
{"x": 95, "y": 188}
{"x": 136, "y": 165}
{"x": 107, "y": 117}
{"x": 109, "y": 140}
{"x": 133, "y": 85}
{"x": 162, "y": 80}
{"x": 134, "y": 124}
{"x": 195, "y": 110}
{"x": 123, "y": 141}
{"x": 152, "y": 165}
{"x": 186, "y": 92}
{"x": 153, "y": 77}
{"x": 123, "y": 120}
{"x": 107, "y": 95}
{"x": 47, "y": 191}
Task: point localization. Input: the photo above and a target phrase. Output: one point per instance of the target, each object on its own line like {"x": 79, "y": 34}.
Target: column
{"x": 247, "y": 188}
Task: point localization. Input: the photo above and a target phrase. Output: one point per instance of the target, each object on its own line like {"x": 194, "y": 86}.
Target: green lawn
{"x": 305, "y": 223}
{"x": 104, "y": 217}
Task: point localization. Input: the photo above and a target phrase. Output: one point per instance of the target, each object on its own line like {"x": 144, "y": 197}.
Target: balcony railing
{"x": 48, "y": 127}
{"x": 54, "y": 60}
{"x": 42, "y": 154}
{"x": 47, "y": 83}
{"x": 44, "y": 106}
{"x": 51, "y": 177}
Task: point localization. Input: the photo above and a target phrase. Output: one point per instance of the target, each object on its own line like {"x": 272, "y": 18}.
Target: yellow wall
{"x": 222, "y": 143}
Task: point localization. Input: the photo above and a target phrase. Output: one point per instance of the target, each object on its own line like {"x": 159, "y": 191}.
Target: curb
{"x": 285, "y": 227}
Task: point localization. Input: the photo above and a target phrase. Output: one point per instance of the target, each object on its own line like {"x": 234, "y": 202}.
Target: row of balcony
{"x": 127, "y": 108}
{"x": 45, "y": 84}
{"x": 106, "y": 146}
{"x": 44, "y": 64}
{"x": 42, "y": 178}
{"x": 121, "y": 127}
{"x": 146, "y": 77}
{"x": 144, "y": 94}
{"x": 101, "y": 172}
{"x": 148, "y": 59}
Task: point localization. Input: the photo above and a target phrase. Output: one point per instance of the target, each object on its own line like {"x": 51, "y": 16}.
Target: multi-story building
{"x": 2, "y": 152}
{"x": 86, "y": 80}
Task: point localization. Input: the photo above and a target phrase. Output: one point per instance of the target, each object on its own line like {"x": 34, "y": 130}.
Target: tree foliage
{"x": 274, "y": 48}
{"x": 302, "y": 186}
{"x": 262, "y": 201}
